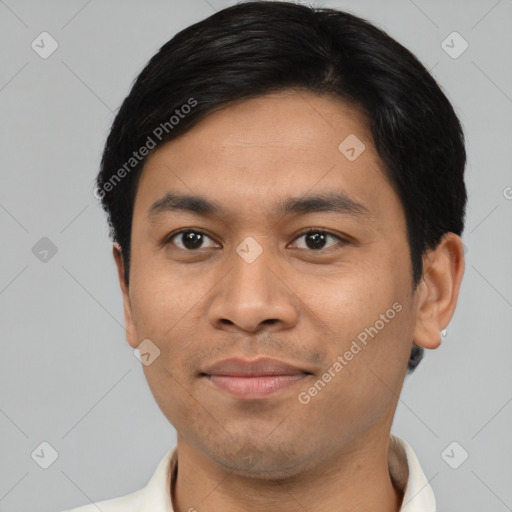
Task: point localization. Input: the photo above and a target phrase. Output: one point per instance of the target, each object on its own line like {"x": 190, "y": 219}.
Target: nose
{"x": 254, "y": 295}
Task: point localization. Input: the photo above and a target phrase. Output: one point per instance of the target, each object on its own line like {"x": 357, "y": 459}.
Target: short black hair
{"x": 259, "y": 47}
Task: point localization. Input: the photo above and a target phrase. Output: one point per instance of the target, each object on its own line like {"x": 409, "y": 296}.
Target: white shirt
{"x": 404, "y": 468}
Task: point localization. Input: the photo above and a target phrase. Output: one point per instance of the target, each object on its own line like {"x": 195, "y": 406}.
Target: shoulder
{"x": 128, "y": 503}
{"x": 154, "y": 497}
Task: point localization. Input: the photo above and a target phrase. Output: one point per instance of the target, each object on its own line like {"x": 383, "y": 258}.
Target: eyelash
{"x": 170, "y": 237}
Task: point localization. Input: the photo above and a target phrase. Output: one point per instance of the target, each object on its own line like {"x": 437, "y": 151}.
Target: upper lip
{"x": 238, "y": 367}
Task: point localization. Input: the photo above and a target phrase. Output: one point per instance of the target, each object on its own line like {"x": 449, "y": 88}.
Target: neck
{"x": 355, "y": 476}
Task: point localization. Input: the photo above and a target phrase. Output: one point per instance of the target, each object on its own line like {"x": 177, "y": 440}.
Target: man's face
{"x": 251, "y": 284}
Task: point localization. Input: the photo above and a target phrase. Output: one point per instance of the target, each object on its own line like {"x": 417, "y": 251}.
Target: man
{"x": 285, "y": 191}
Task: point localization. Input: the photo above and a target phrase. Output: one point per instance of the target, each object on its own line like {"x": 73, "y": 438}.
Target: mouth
{"x": 256, "y": 379}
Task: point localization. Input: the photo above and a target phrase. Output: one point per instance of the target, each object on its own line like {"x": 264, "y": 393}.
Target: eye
{"x": 315, "y": 239}
{"x": 190, "y": 239}
{"x": 193, "y": 240}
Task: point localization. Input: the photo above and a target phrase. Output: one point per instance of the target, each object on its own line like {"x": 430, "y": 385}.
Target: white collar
{"x": 405, "y": 471}
{"x": 418, "y": 495}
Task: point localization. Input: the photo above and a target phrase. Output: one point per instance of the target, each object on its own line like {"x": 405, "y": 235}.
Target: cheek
{"x": 164, "y": 299}
{"x": 370, "y": 328}
{"x": 350, "y": 299}
{"x": 364, "y": 371}
{"x": 171, "y": 393}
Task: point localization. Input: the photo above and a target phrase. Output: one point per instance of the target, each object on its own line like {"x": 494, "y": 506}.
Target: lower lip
{"x": 254, "y": 387}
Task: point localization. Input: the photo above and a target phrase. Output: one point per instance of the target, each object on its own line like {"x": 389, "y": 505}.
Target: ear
{"x": 131, "y": 331}
{"x": 438, "y": 290}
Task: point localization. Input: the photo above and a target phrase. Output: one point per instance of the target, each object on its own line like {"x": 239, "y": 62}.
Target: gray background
{"x": 67, "y": 375}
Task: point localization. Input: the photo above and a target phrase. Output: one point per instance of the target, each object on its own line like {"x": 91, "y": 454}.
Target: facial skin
{"x": 294, "y": 303}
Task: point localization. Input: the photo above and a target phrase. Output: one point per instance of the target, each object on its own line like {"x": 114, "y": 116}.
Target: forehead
{"x": 253, "y": 154}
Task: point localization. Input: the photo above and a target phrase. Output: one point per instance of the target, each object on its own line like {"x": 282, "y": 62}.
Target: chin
{"x": 261, "y": 460}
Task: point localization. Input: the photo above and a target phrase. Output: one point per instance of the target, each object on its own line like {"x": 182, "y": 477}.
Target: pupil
{"x": 316, "y": 237}
{"x": 192, "y": 240}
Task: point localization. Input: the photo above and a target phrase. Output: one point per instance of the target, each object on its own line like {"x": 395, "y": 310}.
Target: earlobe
{"x": 131, "y": 331}
{"x": 438, "y": 291}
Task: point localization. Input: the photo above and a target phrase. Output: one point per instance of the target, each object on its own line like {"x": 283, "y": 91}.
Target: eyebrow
{"x": 332, "y": 202}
